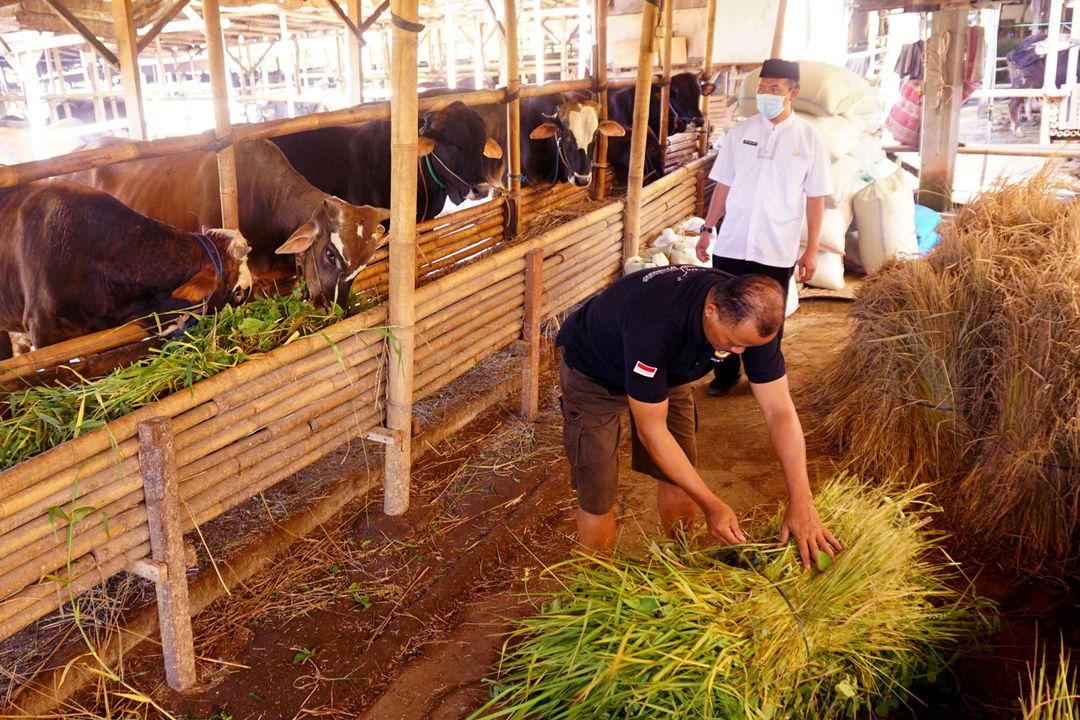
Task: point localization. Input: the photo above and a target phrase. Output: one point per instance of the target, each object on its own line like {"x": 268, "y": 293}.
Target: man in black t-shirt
{"x": 639, "y": 345}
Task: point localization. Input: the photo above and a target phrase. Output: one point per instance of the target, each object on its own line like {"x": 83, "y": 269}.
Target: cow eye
{"x": 238, "y": 294}
{"x": 330, "y": 255}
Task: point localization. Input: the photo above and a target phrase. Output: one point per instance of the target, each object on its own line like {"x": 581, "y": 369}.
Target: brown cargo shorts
{"x": 591, "y": 420}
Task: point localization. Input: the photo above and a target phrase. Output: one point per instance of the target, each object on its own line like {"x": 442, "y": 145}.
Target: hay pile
{"x": 964, "y": 370}
{"x": 711, "y": 634}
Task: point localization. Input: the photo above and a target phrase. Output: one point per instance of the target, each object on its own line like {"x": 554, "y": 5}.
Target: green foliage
{"x": 686, "y": 633}
{"x": 42, "y": 417}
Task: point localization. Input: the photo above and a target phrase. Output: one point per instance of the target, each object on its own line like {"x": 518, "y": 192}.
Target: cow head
{"x": 334, "y": 246}
{"x": 684, "y": 100}
{"x": 573, "y": 127}
{"x": 224, "y": 277}
{"x": 452, "y": 146}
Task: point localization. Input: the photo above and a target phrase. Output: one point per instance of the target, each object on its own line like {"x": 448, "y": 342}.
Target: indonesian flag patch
{"x": 642, "y": 369}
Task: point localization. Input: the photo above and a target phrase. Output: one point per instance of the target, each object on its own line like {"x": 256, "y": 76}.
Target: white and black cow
{"x": 74, "y": 260}
{"x": 561, "y": 129}
{"x": 354, "y": 162}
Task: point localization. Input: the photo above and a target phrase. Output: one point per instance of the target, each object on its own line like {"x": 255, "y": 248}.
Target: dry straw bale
{"x": 711, "y": 634}
{"x": 962, "y": 370}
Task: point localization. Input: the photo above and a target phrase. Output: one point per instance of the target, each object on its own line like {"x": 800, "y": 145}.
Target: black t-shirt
{"x": 643, "y": 334}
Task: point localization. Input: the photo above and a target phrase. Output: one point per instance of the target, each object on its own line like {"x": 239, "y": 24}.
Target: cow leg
{"x": 1014, "y": 116}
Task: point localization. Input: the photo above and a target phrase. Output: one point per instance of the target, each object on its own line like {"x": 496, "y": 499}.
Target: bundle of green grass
{"x": 40, "y": 417}
{"x": 962, "y": 370}
{"x": 747, "y": 633}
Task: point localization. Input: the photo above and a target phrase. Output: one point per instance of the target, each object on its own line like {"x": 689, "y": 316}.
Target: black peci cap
{"x": 777, "y": 68}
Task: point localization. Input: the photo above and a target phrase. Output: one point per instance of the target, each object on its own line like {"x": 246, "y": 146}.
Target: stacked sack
{"x": 867, "y": 187}
{"x": 677, "y": 245}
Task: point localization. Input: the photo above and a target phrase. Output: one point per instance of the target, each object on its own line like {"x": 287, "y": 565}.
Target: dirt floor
{"x": 401, "y": 618}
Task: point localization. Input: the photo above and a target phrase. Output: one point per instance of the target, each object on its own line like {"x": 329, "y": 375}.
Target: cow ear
{"x": 424, "y": 146}
{"x": 198, "y": 288}
{"x": 543, "y": 131}
{"x": 381, "y": 214}
{"x": 611, "y": 129}
{"x": 492, "y": 149}
{"x": 300, "y": 240}
{"x": 708, "y": 88}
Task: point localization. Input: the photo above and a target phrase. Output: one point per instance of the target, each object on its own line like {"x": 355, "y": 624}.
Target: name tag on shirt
{"x": 750, "y": 142}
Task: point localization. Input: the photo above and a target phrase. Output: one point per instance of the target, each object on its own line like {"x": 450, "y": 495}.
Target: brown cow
{"x": 74, "y": 260}
{"x": 281, "y": 213}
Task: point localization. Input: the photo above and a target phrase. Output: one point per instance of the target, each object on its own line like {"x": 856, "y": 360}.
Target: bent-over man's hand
{"x": 723, "y": 523}
{"x": 802, "y": 520}
{"x": 807, "y": 266}
{"x": 703, "y": 246}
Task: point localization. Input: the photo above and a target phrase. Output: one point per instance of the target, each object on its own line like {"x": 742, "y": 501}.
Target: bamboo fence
{"x": 240, "y": 432}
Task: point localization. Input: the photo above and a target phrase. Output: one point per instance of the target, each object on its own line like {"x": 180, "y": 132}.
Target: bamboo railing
{"x": 240, "y": 432}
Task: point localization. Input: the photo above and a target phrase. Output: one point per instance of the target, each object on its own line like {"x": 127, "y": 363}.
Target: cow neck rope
{"x": 216, "y": 262}
{"x": 555, "y": 178}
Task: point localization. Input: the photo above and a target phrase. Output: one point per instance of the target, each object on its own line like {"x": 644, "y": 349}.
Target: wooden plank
{"x": 945, "y": 53}
{"x": 128, "y": 55}
{"x": 150, "y": 35}
{"x": 161, "y": 487}
{"x": 530, "y": 371}
{"x": 81, "y": 29}
{"x": 219, "y": 84}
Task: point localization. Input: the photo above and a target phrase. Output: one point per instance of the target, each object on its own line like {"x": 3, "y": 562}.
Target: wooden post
{"x": 599, "y": 186}
{"x": 945, "y": 52}
{"x": 778, "y": 30}
{"x": 479, "y": 56}
{"x": 665, "y": 85}
{"x": 1051, "y": 107}
{"x": 513, "y": 118}
{"x": 564, "y": 57}
{"x": 636, "y": 176}
{"x": 219, "y": 85}
{"x": 585, "y": 39}
{"x": 534, "y": 303}
{"x": 450, "y": 28}
{"x": 538, "y": 42}
{"x": 707, "y": 73}
{"x": 355, "y": 53}
{"x": 126, "y": 51}
{"x": 157, "y": 463}
{"x": 402, "y": 310}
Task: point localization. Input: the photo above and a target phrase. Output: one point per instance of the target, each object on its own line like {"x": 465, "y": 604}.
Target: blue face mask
{"x": 770, "y": 105}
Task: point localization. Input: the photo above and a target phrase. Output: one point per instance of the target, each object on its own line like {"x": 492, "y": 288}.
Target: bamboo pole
{"x": 436, "y": 377}
{"x": 219, "y": 84}
{"x": 665, "y": 84}
{"x": 402, "y": 301}
{"x": 600, "y": 12}
{"x": 636, "y": 178}
{"x": 216, "y": 469}
{"x": 26, "y": 365}
{"x": 482, "y": 320}
{"x": 354, "y": 81}
{"x": 778, "y": 29}
{"x": 53, "y": 466}
{"x": 707, "y": 71}
{"x": 128, "y": 54}
{"x": 513, "y": 119}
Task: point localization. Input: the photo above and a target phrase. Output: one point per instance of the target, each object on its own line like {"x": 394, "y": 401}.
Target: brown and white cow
{"x": 295, "y": 230}
{"x": 74, "y": 260}
{"x": 562, "y": 128}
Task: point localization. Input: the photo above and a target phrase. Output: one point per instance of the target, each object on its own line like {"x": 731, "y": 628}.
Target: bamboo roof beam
{"x": 84, "y": 32}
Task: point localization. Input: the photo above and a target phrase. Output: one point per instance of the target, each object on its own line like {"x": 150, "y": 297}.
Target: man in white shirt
{"x": 772, "y": 168}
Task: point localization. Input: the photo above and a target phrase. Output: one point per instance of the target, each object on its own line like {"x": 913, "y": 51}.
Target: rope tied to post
{"x": 404, "y": 24}
{"x": 511, "y": 97}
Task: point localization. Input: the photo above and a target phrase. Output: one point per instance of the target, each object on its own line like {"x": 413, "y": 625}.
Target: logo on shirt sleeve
{"x": 642, "y": 369}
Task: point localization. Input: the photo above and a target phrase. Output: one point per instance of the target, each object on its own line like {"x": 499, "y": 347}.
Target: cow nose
{"x": 582, "y": 180}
